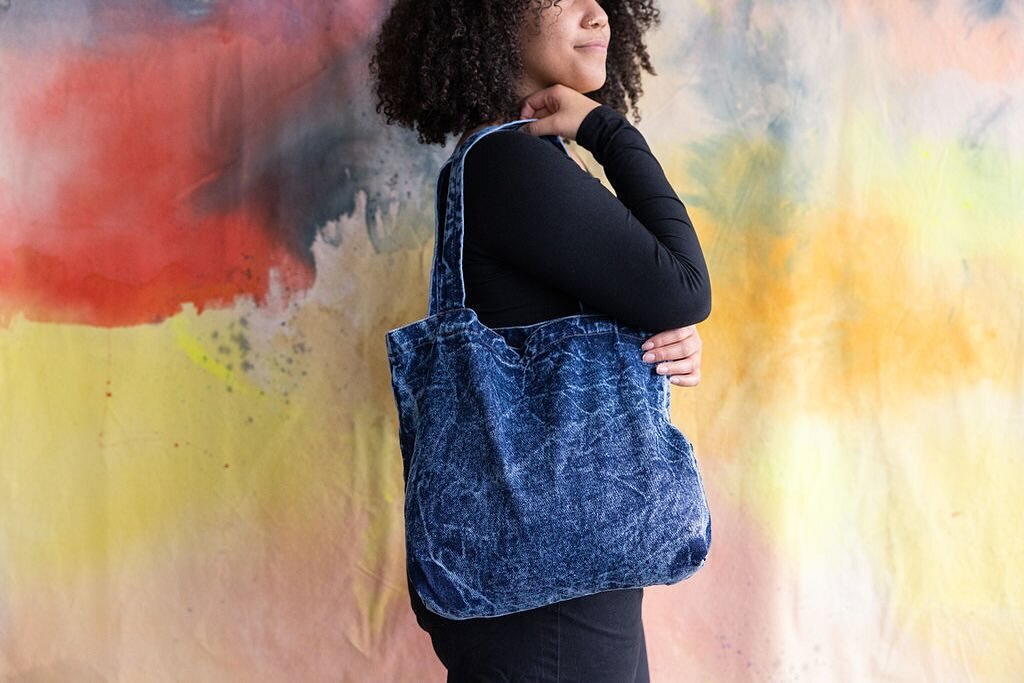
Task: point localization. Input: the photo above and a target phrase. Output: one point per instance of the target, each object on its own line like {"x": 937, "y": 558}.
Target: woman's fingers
{"x": 677, "y": 353}
{"x": 669, "y": 336}
{"x": 559, "y": 110}
{"x": 685, "y": 372}
{"x": 673, "y": 345}
{"x": 688, "y": 380}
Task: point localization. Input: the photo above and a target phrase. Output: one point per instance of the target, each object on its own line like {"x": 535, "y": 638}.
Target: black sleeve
{"x": 634, "y": 256}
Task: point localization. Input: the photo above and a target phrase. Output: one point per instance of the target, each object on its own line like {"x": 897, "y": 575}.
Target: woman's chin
{"x": 588, "y": 83}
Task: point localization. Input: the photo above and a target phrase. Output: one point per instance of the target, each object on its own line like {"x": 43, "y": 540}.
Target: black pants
{"x": 596, "y": 638}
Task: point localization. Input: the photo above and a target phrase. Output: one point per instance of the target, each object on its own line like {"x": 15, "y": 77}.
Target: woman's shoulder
{"x": 515, "y": 149}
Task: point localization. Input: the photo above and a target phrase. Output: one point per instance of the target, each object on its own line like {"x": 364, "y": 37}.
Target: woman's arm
{"x": 634, "y": 256}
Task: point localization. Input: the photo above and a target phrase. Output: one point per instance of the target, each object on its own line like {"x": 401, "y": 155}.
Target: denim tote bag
{"x": 540, "y": 461}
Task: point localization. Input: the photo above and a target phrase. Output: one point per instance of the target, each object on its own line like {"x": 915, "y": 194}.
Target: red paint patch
{"x": 108, "y": 216}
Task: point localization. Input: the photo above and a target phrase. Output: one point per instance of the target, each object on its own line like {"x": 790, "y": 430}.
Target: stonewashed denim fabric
{"x": 540, "y": 460}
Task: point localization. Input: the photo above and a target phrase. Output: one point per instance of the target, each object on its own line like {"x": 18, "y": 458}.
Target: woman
{"x": 545, "y": 239}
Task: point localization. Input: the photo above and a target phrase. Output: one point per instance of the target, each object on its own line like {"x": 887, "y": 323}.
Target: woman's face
{"x": 553, "y": 55}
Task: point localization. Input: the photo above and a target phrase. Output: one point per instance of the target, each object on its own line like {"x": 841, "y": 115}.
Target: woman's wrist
{"x": 597, "y": 128}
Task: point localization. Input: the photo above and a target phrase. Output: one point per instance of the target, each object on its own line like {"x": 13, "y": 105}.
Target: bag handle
{"x": 447, "y": 280}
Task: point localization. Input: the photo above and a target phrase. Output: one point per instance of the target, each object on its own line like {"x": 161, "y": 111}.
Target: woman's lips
{"x": 593, "y": 46}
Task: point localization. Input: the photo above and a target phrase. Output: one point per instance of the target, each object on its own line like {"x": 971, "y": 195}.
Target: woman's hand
{"x": 681, "y": 347}
{"x": 559, "y": 110}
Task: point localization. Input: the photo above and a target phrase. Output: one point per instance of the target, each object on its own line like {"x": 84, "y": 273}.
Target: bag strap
{"x": 447, "y": 280}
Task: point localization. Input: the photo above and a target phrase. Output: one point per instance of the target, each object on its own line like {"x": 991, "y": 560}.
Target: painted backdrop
{"x": 205, "y": 231}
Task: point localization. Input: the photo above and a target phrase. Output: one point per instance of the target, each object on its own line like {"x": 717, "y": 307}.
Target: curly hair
{"x": 436, "y": 69}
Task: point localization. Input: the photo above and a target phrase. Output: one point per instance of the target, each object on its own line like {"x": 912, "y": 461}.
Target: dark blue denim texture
{"x": 540, "y": 461}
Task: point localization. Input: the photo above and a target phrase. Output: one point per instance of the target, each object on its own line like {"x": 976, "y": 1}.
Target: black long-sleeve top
{"x": 541, "y": 234}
